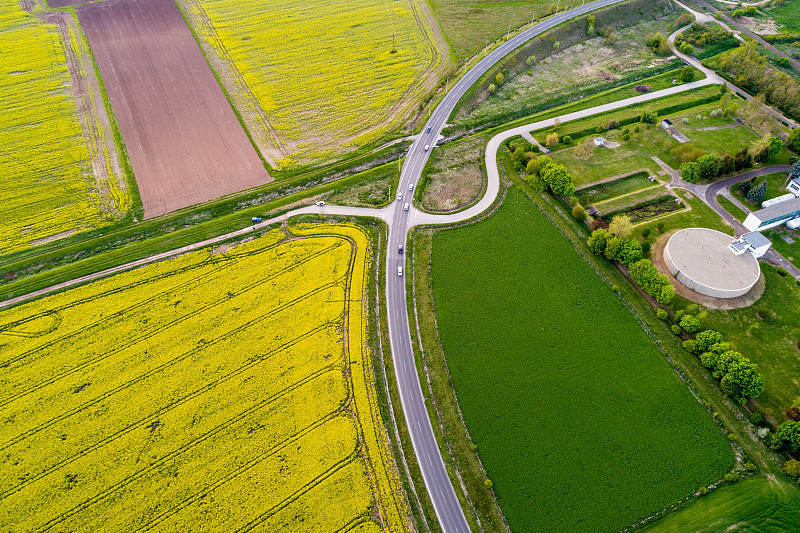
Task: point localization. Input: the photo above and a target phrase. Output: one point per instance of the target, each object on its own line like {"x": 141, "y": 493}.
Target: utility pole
{"x": 509, "y": 30}
{"x": 558, "y": 4}
{"x": 446, "y": 85}
{"x": 533, "y": 17}
{"x": 485, "y": 48}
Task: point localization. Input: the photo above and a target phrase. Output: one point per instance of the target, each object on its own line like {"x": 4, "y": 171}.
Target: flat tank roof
{"x": 702, "y": 255}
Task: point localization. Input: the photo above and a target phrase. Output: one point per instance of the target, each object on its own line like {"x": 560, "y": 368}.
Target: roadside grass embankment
{"x": 515, "y": 367}
{"x": 277, "y": 391}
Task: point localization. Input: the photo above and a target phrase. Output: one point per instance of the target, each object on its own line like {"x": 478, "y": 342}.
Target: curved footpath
{"x": 437, "y": 481}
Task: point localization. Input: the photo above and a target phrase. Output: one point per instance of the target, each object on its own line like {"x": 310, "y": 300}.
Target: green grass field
{"x": 582, "y": 426}
{"x": 787, "y": 16}
{"x": 612, "y": 189}
{"x": 753, "y": 505}
{"x": 467, "y": 24}
{"x": 731, "y": 208}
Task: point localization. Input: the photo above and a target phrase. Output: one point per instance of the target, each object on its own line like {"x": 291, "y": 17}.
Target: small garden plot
{"x": 580, "y": 423}
{"x": 651, "y": 208}
{"x": 631, "y": 200}
{"x": 611, "y": 189}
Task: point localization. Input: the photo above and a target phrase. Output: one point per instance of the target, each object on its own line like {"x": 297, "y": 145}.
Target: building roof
{"x": 778, "y": 210}
{"x": 703, "y": 256}
{"x": 667, "y": 121}
{"x": 738, "y": 246}
{"x": 756, "y": 239}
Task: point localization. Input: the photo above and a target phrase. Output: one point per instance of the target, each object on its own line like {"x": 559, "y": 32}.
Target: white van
{"x": 405, "y": 207}
{"x": 399, "y": 271}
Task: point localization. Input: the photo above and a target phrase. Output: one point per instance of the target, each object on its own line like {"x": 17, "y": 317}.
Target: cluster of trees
{"x": 625, "y": 250}
{"x": 652, "y": 281}
{"x": 793, "y": 141}
{"x": 543, "y": 173}
{"x": 699, "y": 35}
{"x": 658, "y": 44}
{"x": 739, "y": 377}
{"x": 750, "y": 69}
{"x": 749, "y": 10}
{"x": 754, "y": 194}
{"x": 710, "y": 166}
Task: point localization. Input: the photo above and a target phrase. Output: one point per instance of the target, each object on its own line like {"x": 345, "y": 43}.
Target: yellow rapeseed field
{"x": 323, "y": 72}
{"x": 46, "y": 182}
{"x": 214, "y": 392}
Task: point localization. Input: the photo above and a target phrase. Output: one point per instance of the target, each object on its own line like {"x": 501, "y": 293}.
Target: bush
{"x": 731, "y": 477}
{"x": 612, "y": 124}
{"x": 751, "y": 10}
{"x": 492, "y": 88}
{"x": 646, "y": 232}
{"x": 662, "y": 313}
{"x": 783, "y": 62}
{"x": 687, "y": 49}
{"x": 781, "y": 271}
{"x": 499, "y": 79}
{"x": 687, "y": 72}
{"x": 646, "y": 247}
{"x": 792, "y": 468}
{"x": 702, "y": 491}
{"x": 626, "y": 137}
{"x": 690, "y": 324}
{"x": 643, "y": 88}
{"x": 793, "y": 143}
{"x": 648, "y": 117}
{"x": 567, "y": 139}
{"x": 676, "y": 329}
{"x": 757, "y": 419}
{"x": 579, "y": 212}
{"x": 552, "y": 140}
{"x": 637, "y": 129}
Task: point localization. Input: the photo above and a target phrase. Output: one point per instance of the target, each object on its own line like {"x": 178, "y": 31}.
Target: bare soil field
{"x": 184, "y": 141}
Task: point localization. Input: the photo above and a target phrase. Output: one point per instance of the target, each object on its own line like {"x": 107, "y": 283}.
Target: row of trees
{"x": 739, "y": 377}
{"x": 710, "y": 166}
{"x": 652, "y": 281}
{"x": 626, "y": 251}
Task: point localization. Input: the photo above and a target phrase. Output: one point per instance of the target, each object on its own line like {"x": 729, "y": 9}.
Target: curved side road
{"x": 400, "y": 220}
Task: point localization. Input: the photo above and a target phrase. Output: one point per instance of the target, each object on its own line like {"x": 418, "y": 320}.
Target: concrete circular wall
{"x": 700, "y": 259}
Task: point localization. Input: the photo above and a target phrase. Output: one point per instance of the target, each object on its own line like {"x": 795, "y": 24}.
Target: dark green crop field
{"x": 579, "y": 420}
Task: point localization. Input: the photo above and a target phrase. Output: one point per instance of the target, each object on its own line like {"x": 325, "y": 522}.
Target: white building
{"x": 772, "y": 216}
{"x": 794, "y": 187}
{"x": 753, "y": 242}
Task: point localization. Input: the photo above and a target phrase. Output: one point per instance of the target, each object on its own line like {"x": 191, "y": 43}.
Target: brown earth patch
{"x": 184, "y": 141}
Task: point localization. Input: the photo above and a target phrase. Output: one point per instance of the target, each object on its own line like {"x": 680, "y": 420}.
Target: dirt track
{"x": 184, "y": 141}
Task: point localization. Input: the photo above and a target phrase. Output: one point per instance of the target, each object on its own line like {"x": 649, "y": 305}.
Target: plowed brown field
{"x": 184, "y": 141}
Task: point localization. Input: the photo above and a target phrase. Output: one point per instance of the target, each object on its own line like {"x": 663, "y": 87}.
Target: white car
{"x": 399, "y": 271}
{"x": 411, "y": 187}
{"x": 399, "y": 196}
{"x": 405, "y": 207}
{"x": 320, "y": 203}
{"x": 427, "y": 146}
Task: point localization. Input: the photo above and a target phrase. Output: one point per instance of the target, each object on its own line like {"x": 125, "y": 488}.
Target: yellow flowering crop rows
{"x": 226, "y": 392}
{"x": 323, "y": 72}
{"x": 46, "y": 182}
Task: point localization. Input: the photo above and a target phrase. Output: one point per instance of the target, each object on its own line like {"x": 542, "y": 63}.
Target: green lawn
{"x": 771, "y": 344}
{"x": 728, "y": 140}
{"x": 612, "y": 189}
{"x": 756, "y": 504}
{"x": 775, "y": 182}
{"x": 731, "y": 208}
{"x": 631, "y": 199}
{"x": 787, "y": 16}
{"x": 581, "y": 424}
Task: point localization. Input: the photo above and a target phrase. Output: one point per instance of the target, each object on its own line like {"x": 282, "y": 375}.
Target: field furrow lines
{"x": 240, "y": 416}
{"x": 175, "y": 322}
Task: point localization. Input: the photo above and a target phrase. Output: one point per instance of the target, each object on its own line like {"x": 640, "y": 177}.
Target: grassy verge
{"x": 732, "y": 208}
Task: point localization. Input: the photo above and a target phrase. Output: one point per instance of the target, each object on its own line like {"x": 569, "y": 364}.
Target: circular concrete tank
{"x": 700, "y": 259}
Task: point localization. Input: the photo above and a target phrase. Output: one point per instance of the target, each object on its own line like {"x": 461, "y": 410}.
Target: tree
{"x": 552, "y": 140}
{"x": 788, "y": 435}
{"x": 794, "y": 170}
{"x": 793, "y": 141}
{"x": 557, "y": 178}
{"x": 556, "y": 46}
{"x": 708, "y": 166}
{"x": 519, "y": 154}
{"x": 621, "y": 226}
{"x": 598, "y": 239}
{"x": 492, "y": 88}
{"x": 793, "y": 413}
{"x": 579, "y": 212}
{"x": 690, "y": 323}
{"x": 532, "y": 167}
{"x": 687, "y": 76}
{"x": 743, "y": 380}
{"x": 648, "y": 117}
{"x": 783, "y": 62}
{"x": 706, "y": 339}
{"x": 499, "y": 79}
{"x": 690, "y": 172}
{"x": 751, "y": 10}
{"x": 756, "y": 194}
{"x": 792, "y": 468}
{"x": 630, "y": 251}
{"x": 612, "y": 248}
{"x": 728, "y": 165}
{"x": 743, "y": 159}
{"x": 746, "y": 185}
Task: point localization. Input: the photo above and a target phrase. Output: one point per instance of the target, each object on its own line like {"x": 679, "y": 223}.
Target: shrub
{"x": 552, "y": 140}
{"x": 685, "y": 120}
{"x": 757, "y": 419}
{"x": 488, "y": 483}
{"x": 702, "y": 491}
{"x": 626, "y": 137}
{"x": 783, "y": 62}
{"x": 662, "y": 313}
{"x": 793, "y": 143}
{"x": 646, "y": 232}
{"x": 781, "y": 271}
{"x": 637, "y": 129}
{"x": 567, "y": 139}
{"x": 579, "y": 212}
{"x": 676, "y": 329}
{"x": 737, "y": 13}
{"x": 643, "y": 88}
{"x": 612, "y": 124}
{"x": 660, "y": 227}
{"x": 687, "y": 49}
{"x": 792, "y": 468}
{"x": 687, "y": 72}
{"x": 731, "y": 477}
{"x": 499, "y": 78}
{"x": 492, "y": 88}
{"x": 690, "y": 324}
{"x": 646, "y": 247}
{"x": 648, "y": 117}
{"x": 751, "y": 10}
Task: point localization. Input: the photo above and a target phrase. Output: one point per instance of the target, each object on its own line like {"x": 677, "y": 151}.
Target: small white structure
{"x": 777, "y": 200}
{"x": 794, "y": 187}
{"x": 598, "y": 141}
{"x": 666, "y": 124}
{"x": 794, "y": 223}
{"x": 772, "y": 216}
{"x": 754, "y": 242}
